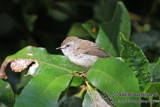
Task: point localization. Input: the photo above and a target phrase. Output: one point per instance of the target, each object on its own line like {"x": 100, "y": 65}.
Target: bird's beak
{"x": 59, "y": 48}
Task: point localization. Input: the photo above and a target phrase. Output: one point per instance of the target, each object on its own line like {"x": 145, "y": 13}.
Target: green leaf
{"x": 104, "y": 9}
{"x": 119, "y": 23}
{"x": 103, "y": 41}
{"x": 156, "y": 72}
{"x": 78, "y": 30}
{"x": 113, "y": 76}
{"x": 54, "y": 74}
{"x": 6, "y": 93}
{"x": 137, "y": 61}
{"x": 90, "y": 27}
{"x": 44, "y": 89}
{"x": 153, "y": 88}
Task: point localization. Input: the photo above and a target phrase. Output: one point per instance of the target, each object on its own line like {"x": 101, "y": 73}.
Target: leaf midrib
{"x": 56, "y": 66}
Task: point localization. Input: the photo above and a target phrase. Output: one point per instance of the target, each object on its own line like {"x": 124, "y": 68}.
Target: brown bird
{"x": 82, "y": 52}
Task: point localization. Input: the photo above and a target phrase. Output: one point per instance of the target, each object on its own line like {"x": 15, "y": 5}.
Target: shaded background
{"x": 46, "y": 23}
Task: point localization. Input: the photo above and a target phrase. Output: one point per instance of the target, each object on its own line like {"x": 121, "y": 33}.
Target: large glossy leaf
{"x": 114, "y": 77}
{"x": 53, "y": 75}
{"x": 120, "y": 23}
{"x": 103, "y": 41}
{"x": 6, "y": 93}
{"x": 44, "y": 89}
{"x": 137, "y": 61}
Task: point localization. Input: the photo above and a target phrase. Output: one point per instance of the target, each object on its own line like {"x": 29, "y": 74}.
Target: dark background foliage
{"x": 46, "y": 23}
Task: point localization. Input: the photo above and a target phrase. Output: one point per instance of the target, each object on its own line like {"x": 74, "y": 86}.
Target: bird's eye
{"x": 67, "y": 45}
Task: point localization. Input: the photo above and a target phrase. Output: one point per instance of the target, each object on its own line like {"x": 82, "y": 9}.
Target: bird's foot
{"x": 85, "y": 72}
{"x": 81, "y": 74}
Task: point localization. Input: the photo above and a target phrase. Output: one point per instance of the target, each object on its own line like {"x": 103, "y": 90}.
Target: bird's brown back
{"x": 90, "y": 48}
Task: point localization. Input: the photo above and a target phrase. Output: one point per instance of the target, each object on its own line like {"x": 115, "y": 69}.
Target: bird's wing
{"x": 93, "y": 49}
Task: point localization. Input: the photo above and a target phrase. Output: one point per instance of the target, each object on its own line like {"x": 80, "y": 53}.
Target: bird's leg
{"x": 85, "y": 71}
{"x": 82, "y": 73}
